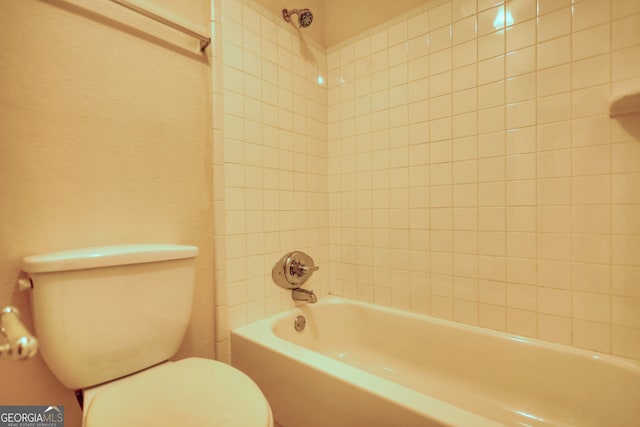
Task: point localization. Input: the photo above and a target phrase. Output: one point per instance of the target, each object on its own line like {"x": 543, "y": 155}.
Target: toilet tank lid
{"x": 105, "y": 256}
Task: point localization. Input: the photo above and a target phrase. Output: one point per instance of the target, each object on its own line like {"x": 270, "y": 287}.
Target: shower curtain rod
{"x": 204, "y": 40}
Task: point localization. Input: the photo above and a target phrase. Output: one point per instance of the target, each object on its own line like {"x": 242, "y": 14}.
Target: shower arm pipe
{"x": 286, "y": 13}
{"x": 204, "y": 39}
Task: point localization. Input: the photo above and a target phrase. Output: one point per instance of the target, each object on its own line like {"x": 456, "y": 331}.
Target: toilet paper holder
{"x": 20, "y": 344}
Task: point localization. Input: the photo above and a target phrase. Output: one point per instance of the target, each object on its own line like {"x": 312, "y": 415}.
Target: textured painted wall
{"x": 338, "y": 20}
{"x": 345, "y": 19}
{"x": 104, "y": 139}
{"x": 317, "y": 30}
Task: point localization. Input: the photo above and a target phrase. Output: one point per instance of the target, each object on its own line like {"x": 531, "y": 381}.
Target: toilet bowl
{"x": 109, "y": 318}
{"x": 189, "y": 392}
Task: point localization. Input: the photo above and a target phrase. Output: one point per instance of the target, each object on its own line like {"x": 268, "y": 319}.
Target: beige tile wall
{"x": 475, "y": 175}
{"x": 462, "y": 163}
{"x": 270, "y": 174}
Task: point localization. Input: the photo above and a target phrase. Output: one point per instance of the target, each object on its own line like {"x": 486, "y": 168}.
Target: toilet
{"x": 108, "y": 320}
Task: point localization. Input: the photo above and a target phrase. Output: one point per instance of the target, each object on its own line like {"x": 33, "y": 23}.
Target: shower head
{"x": 305, "y": 17}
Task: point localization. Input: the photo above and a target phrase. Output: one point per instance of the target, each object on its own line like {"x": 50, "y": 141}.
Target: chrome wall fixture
{"x": 20, "y": 344}
{"x": 204, "y": 39}
{"x": 292, "y": 271}
{"x": 299, "y": 323}
{"x": 305, "y": 17}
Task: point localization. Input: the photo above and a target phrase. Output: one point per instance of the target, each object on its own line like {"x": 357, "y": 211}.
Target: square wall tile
{"x": 475, "y": 152}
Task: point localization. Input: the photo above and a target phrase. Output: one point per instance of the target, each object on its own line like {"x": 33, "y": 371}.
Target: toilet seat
{"x": 189, "y": 392}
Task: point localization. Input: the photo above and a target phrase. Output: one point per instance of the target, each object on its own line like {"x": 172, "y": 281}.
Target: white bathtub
{"x": 361, "y": 365}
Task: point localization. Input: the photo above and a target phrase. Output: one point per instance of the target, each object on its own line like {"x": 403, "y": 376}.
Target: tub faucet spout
{"x": 299, "y": 294}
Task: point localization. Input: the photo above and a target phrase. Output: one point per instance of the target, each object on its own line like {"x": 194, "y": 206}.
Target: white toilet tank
{"x": 102, "y": 313}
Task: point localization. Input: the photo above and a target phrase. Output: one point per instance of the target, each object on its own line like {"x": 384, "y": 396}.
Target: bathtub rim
{"x": 253, "y": 328}
{"x": 446, "y": 414}
{"x": 262, "y": 336}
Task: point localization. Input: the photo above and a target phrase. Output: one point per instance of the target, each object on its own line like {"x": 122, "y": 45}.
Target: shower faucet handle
{"x": 300, "y": 269}
{"x": 293, "y": 269}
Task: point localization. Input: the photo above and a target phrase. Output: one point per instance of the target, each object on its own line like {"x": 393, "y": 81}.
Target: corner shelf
{"x": 625, "y": 103}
